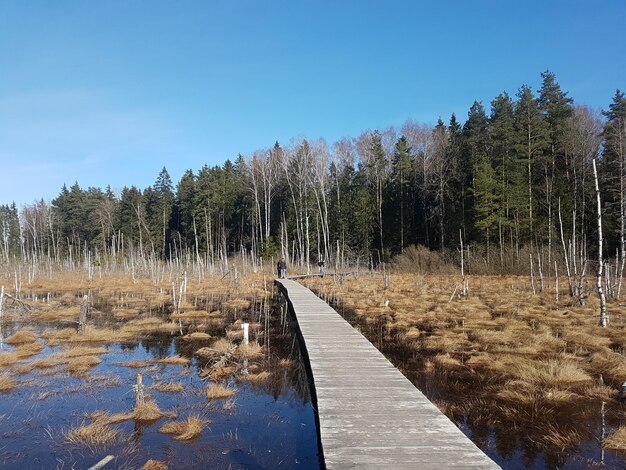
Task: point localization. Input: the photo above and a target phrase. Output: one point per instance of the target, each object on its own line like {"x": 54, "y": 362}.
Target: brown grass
{"x": 133, "y": 364}
{"x": 551, "y": 373}
{"x": 48, "y": 362}
{"x": 22, "y": 369}
{"x": 197, "y": 336}
{"x": 89, "y": 335}
{"x": 7, "y": 359}
{"x": 148, "y": 412}
{"x": 256, "y": 378}
{"x": 82, "y": 351}
{"x": 169, "y": 387}
{"x": 617, "y": 440}
{"x": 221, "y": 346}
{"x": 218, "y": 391}
{"x": 184, "y": 430}
{"x": 94, "y": 436}
{"x": 217, "y": 373}
{"x": 64, "y": 314}
{"x": 21, "y": 337}
{"x": 175, "y": 360}
{"x": 147, "y": 325}
{"x": 126, "y": 313}
{"x": 28, "y": 349}
{"x": 104, "y": 418}
{"x": 7, "y": 383}
{"x": 250, "y": 350}
{"x": 239, "y": 304}
{"x": 154, "y": 465}
{"x": 81, "y": 365}
{"x": 192, "y": 314}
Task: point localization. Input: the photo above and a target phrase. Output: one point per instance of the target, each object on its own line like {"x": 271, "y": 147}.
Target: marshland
{"x": 155, "y": 375}
{"x": 534, "y": 381}
{"x": 476, "y": 236}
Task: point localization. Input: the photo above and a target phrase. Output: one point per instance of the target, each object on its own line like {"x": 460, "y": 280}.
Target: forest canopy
{"x": 517, "y": 173}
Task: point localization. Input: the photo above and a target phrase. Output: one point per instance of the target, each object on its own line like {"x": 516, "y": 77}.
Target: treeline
{"x": 516, "y": 175}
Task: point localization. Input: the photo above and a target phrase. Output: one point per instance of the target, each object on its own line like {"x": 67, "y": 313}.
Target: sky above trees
{"x": 110, "y": 92}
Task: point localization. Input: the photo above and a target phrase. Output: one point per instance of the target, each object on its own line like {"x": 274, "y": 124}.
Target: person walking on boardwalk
{"x": 282, "y": 268}
{"x": 320, "y": 266}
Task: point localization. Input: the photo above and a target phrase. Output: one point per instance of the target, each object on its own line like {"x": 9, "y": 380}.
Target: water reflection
{"x": 538, "y": 434}
{"x": 279, "y": 406}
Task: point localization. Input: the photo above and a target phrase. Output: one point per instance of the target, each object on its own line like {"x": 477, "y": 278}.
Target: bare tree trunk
{"x": 464, "y": 289}
{"x": 532, "y": 273}
{"x": 604, "y": 317}
{"x": 556, "y": 281}
{"x": 567, "y": 267}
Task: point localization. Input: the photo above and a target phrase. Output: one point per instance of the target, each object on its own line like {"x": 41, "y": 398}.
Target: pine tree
{"x": 502, "y": 157}
{"x": 130, "y": 216}
{"x": 184, "y": 208}
{"x": 400, "y": 182}
{"x": 159, "y": 202}
{"x": 530, "y": 129}
{"x": 557, "y": 108}
{"x": 614, "y": 166}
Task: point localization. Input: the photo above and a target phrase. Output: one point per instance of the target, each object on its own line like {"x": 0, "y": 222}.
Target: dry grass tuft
{"x": 89, "y": 335}
{"x": 221, "y": 346}
{"x": 256, "y": 378}
{"x": 175, "y": 360}
{"x": 217, "y": 373}
{"x": 184, "y": 430}
{"x": 7, "y": 383}
{"x": 21, "y": 337}
{"x": 147, "y": 325}
{"x": 551, "y": 373}
{"x": 169, "y": 387}
{"x": 48, "y": 362}
{"x": 94, "y": 436}
{"x": 104, "y": 418}
{"x": 133, "y": 364}
{"x": 56, "y": 337}
{"x": 147, "y": 412}
{"x": 83, "y": 364}
{"x": 154, "y": 465}
{"x": 250, "y": 350}
{"x": 22, "y": 369}
{"x": 617, "y": 440}
{"x": 7, "y": 359}
{"x": 64, "y": 314}
{"x": 240, "y": 304}
{"x": 218, "y": 391}
{"x": 125, "y": 313}
{"x": 28, "y": 349}
{"x": 197, "y": 336}
{"x": 192, "y": 314}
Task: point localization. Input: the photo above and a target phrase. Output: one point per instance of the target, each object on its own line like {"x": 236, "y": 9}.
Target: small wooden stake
{"x": 82, "y": 319}
{"x": 139, "y": 392}
{"x": 1, "y": 301}
{"x": 245, "y": 327}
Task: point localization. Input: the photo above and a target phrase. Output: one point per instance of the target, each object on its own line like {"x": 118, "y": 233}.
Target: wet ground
{"x": 266, "y": 425}
{"x": 526, "y": 437}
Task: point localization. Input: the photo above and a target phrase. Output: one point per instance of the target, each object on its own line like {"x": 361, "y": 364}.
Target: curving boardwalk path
{"x": 370, "y": 415}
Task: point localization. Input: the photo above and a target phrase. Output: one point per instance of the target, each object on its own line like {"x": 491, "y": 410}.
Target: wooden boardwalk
{"x": 370, "y": 415}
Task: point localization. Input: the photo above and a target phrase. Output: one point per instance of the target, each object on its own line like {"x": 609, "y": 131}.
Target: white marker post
{"x": 245, "y": 327}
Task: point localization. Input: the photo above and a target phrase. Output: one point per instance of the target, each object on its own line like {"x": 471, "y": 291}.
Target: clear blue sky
{"x": 109, "y": 92}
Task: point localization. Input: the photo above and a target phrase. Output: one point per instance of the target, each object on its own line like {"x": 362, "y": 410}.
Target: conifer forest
{"x": 515, "y": 177}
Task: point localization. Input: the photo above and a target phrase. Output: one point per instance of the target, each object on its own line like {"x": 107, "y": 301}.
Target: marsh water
{"x": 266, "y": 425}
{"x": 565, "y": 437}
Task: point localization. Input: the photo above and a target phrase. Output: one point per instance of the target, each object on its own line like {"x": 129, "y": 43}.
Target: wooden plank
{"x": 370, "y": 415}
